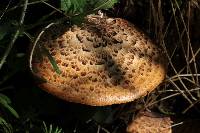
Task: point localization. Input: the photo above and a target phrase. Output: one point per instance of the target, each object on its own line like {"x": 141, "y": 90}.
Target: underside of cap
{"x": 104, "y": 61}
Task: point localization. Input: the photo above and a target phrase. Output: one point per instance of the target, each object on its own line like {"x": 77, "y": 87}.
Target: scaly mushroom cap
{"x": 104, "y": 61}
{"x": 150, "y": 122}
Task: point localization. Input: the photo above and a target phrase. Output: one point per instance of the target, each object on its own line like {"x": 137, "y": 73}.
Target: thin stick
{"x": 3, "y": 60}
{"x": 5, "y": 9}
{"x": 28, "y": 4}
{"x": 184, "y": 86}
{"x": 35, "y": 43}
{"x": 185, "y": 75}
{"x": 170, "y": 62}
{"x": 58, "y": 10}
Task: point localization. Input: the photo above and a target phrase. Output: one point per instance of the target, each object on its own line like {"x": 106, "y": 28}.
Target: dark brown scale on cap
{"x": 102, "y": 62}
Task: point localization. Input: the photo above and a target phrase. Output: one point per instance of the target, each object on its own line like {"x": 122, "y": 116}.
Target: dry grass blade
{"x": 189, "y": 47}
{"x": 188, "y": 66}
{"x": 170, "y": 62}
{"x": 5, "y": 10}
{"x": 177, "y": 124}
{"x": 28, "y": 4}
{"x": 158, "y": 22}
{"x": 180, "y": 35}
{"x": 185, "y": 75}
{"x": 189, "y": 107}
{"x": 195, "y": 3}
{"x": 34, "y": 45}
{"x": 195, "y": 55}
{"x": 52, "y": 7}
{"x": 162, "y": 99}
{"x": 105, "y": 130}
{"x": 171, "y": 96}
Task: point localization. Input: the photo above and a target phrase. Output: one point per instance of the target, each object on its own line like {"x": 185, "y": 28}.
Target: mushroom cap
{"x": 103, "y": 61}
{"x": 150, "y": 122}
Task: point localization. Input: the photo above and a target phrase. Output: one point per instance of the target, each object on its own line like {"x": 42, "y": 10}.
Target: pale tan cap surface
{"x": 150, "y": 122}
{"x": 104, "y": 61}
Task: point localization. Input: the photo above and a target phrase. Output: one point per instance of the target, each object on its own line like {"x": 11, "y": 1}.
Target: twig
{"x": 105, "y": 130}
{"x": 5, "y": 10}
{"x": 177, "y": 124}
{"x": 164, "y": 98}
{"x": 41, "y": 21}
{"x": 188, "y": 38}
{"x": 184, "y": 86}
{"x": 35, "y": 43}
{"x": 3, "y": 60}
{"x": 174, "y": 69}
{"x": 28, "y": 4}
{"x": 190, "y": 106}
{"x": 58, "y": 10}
{"x": 172, "y": 95}
{"x": 98, "y": 129}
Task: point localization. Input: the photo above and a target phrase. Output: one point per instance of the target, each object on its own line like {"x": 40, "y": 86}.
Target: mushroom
{"x": 103, "y": 61}
{"x": 150, "y": 122}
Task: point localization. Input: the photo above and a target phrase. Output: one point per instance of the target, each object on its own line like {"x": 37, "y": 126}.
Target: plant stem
{"x": 3, "y": 60}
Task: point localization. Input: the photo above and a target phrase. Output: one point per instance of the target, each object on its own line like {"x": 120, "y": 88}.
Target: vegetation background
{"x": 173, "y": 24}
